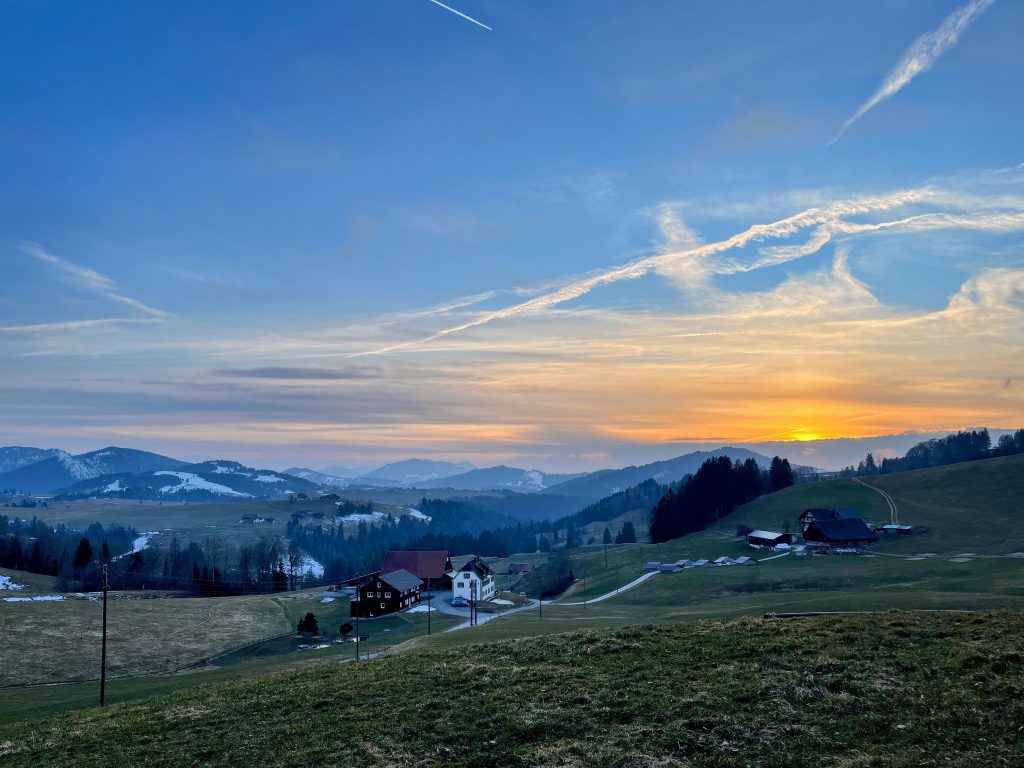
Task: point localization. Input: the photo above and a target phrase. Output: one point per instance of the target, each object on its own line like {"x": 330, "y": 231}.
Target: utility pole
{"x": 103, "y": 651}
{"x": 359, "y": 609}
{"x": 472, "y": 603}
{"x": 430, "y": 598}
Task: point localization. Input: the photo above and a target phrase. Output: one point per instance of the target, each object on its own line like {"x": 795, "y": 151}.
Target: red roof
{"x": 423, "y": 564}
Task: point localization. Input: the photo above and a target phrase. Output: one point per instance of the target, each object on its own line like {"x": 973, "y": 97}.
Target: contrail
{"x": 920, "y": 57}
{"x": 460, "y": 13}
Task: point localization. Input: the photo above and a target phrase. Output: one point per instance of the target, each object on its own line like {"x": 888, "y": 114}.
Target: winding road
{"x": 893, "y": 517}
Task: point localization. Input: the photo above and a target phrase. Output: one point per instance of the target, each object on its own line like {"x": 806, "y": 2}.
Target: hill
{"x": 896, "y": 689}
{"x": 973, "y": 505}
{"x": 606, "y": 482}
{"x": 499, "y": 478}
{"x": 411, "y": 471}
{"x": 16, "y": 456}
{"x": 62, "y": 470}
{"x": 207, "y": 481}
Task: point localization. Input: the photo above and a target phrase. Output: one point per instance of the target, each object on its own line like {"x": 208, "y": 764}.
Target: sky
{"x": 353, "y": 232}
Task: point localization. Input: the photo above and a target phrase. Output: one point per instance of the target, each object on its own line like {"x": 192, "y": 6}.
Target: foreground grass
{"x": 895, "y": 689}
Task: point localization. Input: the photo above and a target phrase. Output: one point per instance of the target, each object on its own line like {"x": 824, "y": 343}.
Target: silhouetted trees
{"x": 627, "y": 535}
{"x": 713, "y": 492}
{"x": 940, "y": 451}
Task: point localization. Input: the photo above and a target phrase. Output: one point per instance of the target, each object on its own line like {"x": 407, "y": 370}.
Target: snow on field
{"x": 502, "y": 601}
{"x": 421, "y": 608}
{"x": 114, "y": 487}
{"x": 139, "y": 543}
{"x": 327, "y": 599}
{"x": 417, "y": 514}
{"x": 363, "y": 517}
{"x": 190, "y": 482}
{"x": 269, "y": 479}
{"x": 309, "y": 564}
{"x": 6, "y": 583}
{"x": 36, "y": 599}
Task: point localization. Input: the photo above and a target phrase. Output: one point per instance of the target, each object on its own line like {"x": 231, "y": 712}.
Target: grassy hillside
{"x": 894, "y": 690}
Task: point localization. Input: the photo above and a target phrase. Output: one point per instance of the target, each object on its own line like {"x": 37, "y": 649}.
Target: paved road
{"x": 606, "y": 595}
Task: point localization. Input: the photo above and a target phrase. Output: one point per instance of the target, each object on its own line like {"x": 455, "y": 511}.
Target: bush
{"x": 308, "y": 625}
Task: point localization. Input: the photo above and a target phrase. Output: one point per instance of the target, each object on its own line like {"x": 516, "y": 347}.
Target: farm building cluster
{"x": 839, "y": 530}
{"x": 405, "y": 577}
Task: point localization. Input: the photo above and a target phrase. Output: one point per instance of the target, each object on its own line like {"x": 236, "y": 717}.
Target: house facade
{"x": 474, "y": 573}
{"x": 386, "y": 593}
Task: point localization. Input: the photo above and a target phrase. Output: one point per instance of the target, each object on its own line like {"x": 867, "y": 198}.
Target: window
{"x": 387, "y": 594}
{"x": 461, "y": 585}
{"x": 382, "y": 605}
{"x": 378, "y": 594}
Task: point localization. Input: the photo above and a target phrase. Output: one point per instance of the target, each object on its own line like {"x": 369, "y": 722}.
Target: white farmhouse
{"x": 475, "y": 572}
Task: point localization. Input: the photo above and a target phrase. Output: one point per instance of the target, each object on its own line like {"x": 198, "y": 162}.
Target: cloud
{"x": 69, "y": 325}
{"x": 90, "y": 280}
{"x": 299, "y": 374}
{"x": 919, "y": 58}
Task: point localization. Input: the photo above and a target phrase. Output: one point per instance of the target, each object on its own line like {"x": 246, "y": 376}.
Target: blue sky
{"x": 236, "y": 229}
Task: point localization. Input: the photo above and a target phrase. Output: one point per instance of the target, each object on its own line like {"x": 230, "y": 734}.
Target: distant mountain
{"x": 605, "y": 482}
{"x": 206, "y": 481}
{"x": 320, "y": 478}
{"x": 499, "y": 478}
{"x": 411, "y": 472}
{"x": 342, "y": 472}
{"x": 63, "y": 469}
{"x": 16, "y": 456}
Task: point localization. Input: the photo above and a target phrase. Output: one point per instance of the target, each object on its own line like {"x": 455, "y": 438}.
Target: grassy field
{"x": 30, "y": 583}
{"x": 896, "y": 689}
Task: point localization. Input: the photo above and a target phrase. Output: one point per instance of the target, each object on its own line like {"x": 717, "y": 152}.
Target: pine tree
{"x": 607, "y": 539}
{"x": 83, "y": 555}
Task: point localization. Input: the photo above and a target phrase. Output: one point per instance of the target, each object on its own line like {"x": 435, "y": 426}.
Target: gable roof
{"x": 845, "y": 530}
{"x": 839, "y": 513}
{"x": 401, "y": 580}
{"x": 424, "y": 564}
{"x": 479, "y": 566}
{"x": 764, "y": 535}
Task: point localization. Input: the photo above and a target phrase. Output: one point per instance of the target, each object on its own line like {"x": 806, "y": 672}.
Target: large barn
{"x": 839, "y": 533}
{"x": 432, "y": 566}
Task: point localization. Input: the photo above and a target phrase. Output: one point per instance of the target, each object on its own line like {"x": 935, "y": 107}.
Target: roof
{"x": 699, "y": 563}
{"x": 845, "y": 530}
{"x": 723, "y": 560}
{"x": 401, "y": 580}
{"x": 479, "y": 566}
{"x": 668, "y": 567}
{"x": 651, "y": 566}
{"x": 764, "y": 535}
{"x": 839, "y": 513}
{"x": 743, "y": 560}
{"x": 422, "y": 564}
{"x": 519, "y": 568}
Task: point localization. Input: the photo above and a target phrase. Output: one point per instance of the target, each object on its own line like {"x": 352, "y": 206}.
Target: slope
{"x": 50, "y": 475}
{"x": 897, "y": 689}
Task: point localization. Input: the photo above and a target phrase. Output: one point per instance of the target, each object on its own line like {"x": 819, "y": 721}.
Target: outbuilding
{"x": 768, "y": 539}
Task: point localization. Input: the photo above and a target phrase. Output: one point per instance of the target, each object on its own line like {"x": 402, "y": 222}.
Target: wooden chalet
{"x": 386, "y": 593}
{"x": 434, "y": 567}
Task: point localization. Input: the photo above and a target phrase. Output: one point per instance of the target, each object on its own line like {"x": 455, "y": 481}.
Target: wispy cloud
{"x": 298, "y": 374}
{"x": 69, "y": 325}
{"x": 919, "y": 58}
{"x": 92, "y": 281}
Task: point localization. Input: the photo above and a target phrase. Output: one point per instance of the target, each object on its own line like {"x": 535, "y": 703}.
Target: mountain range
{"x": 128, "y": 473}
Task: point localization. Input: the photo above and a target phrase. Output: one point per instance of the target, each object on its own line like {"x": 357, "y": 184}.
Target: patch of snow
{"x": 309, "y": 564}
{"x": 327, "y": 599}
{"x": 190, "y": 482}
{"x": 421, "y": 608}
{"x": 269, "y": 479}
{"x": 139, "y": 543}
{"x": 222, "y": 470}
{"x": 502, "y": 601}
{"x": 364, "y": 517}
{"x": 113, "y": 487}
{"x": 417, "y": 514}
{"x": 6, "y": 583}
{"x": 36, "y": 599}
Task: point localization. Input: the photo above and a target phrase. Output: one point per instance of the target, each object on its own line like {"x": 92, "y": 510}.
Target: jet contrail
{"x": 460, "y": 13}
{"x": 920, "y": 57}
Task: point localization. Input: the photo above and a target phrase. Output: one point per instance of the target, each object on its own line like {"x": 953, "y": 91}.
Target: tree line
{"x": 712, "y": 492}
{"x": 952, "y": 449}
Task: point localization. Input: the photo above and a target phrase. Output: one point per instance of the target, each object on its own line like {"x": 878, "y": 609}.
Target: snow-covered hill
{"x": 63, "y": 469}
{"x": 206, "y": 481}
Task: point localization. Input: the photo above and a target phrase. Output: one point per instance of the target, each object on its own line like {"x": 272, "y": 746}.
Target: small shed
{"x": 761, "y": 538}
{"x": 744, "y": 560}
{"x": 723, "y": 561}
{"x": 699, "y": 564}
{"x": 682, "y": 563}
{"x": 651, "y": 566}
{"x": 667, "y": 567}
